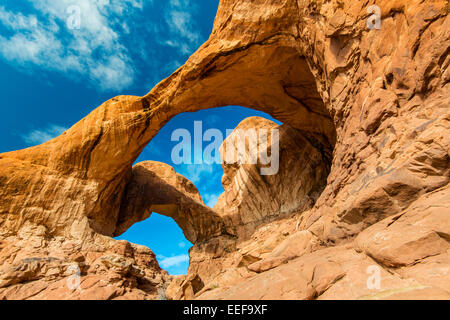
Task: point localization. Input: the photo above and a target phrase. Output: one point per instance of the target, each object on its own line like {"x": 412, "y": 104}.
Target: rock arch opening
{"x": 272, "y": 76}
{"x": 315, "y": 67}
{"x": 246, "y": 198}
{"x": 269, "y": 71}
{"x": 208, "y": 200}
{"x": 160, "y": 192}
{"x": 166, "y": 240}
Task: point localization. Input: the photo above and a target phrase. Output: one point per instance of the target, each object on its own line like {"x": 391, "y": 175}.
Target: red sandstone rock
{"x": 374, "y": 104}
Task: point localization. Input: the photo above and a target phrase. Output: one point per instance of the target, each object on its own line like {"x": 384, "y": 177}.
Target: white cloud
{"x": 168, "y": 262}
{"x": 205, "y": 177}
{"x": 113, "y": 73}
{"x": 182, "y": 244}
{"x": 211, "y": 199}
{"x": 114, "y": 36}
{"x": 184, "y": 32}
{"x": 37, "y": 137}
{"x": 197, "y": 172}
{"x": 17, "y": 21}
{"x": 94, "y": 50}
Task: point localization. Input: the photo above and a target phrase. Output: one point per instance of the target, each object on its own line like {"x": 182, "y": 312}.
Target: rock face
{"x": 156, "y": 187}
{"x": 35, "y": 266}
{"x": 251, "y": 197}
{"x": 371, "y": 104}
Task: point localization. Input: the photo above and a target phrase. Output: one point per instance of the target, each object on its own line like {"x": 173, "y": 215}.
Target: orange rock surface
{"x": 371, "y": 108}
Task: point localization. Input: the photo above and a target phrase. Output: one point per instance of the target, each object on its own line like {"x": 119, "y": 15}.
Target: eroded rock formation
{"x": 375, "y": 100}
{"x": 253, "y": 197}
{"x": 156, "y": 187}
{"x": 36, "y": 266}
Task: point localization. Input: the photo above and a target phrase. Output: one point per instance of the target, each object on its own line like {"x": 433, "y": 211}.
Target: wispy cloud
{"x": 184, "y": 33}
{"x": 40, "y": 136}
{"x": 205, "y": 177}
{"x": 197, "y": 172}
{"x": 100, "y": 41}
{"x": 168, "y": 262}
{"x": 91, "y": 48}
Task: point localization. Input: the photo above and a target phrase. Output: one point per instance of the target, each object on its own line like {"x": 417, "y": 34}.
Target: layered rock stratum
{"x": 362, "y": 188}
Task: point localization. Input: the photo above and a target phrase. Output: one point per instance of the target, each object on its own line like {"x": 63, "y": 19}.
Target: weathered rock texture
{"x": 156, "y": 187}
{"x": 251, "y": 197}
{"x": 35, "y": 266}
{"x": 376, "y": 101}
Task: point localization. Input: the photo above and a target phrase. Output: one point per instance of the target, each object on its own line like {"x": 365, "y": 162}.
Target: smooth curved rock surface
{"x": 156, "y": 187}
{"x": 253, "y": 197}
{"x": 377, "y": 100}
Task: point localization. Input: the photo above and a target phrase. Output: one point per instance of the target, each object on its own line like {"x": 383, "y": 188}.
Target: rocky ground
{"x": 363, "y": 187}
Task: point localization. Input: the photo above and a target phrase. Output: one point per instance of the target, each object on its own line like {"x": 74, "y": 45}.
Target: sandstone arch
{"x": 266, "y": 71}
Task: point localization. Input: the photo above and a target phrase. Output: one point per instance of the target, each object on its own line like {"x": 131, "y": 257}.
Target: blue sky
{"x": 59, "y": 60}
